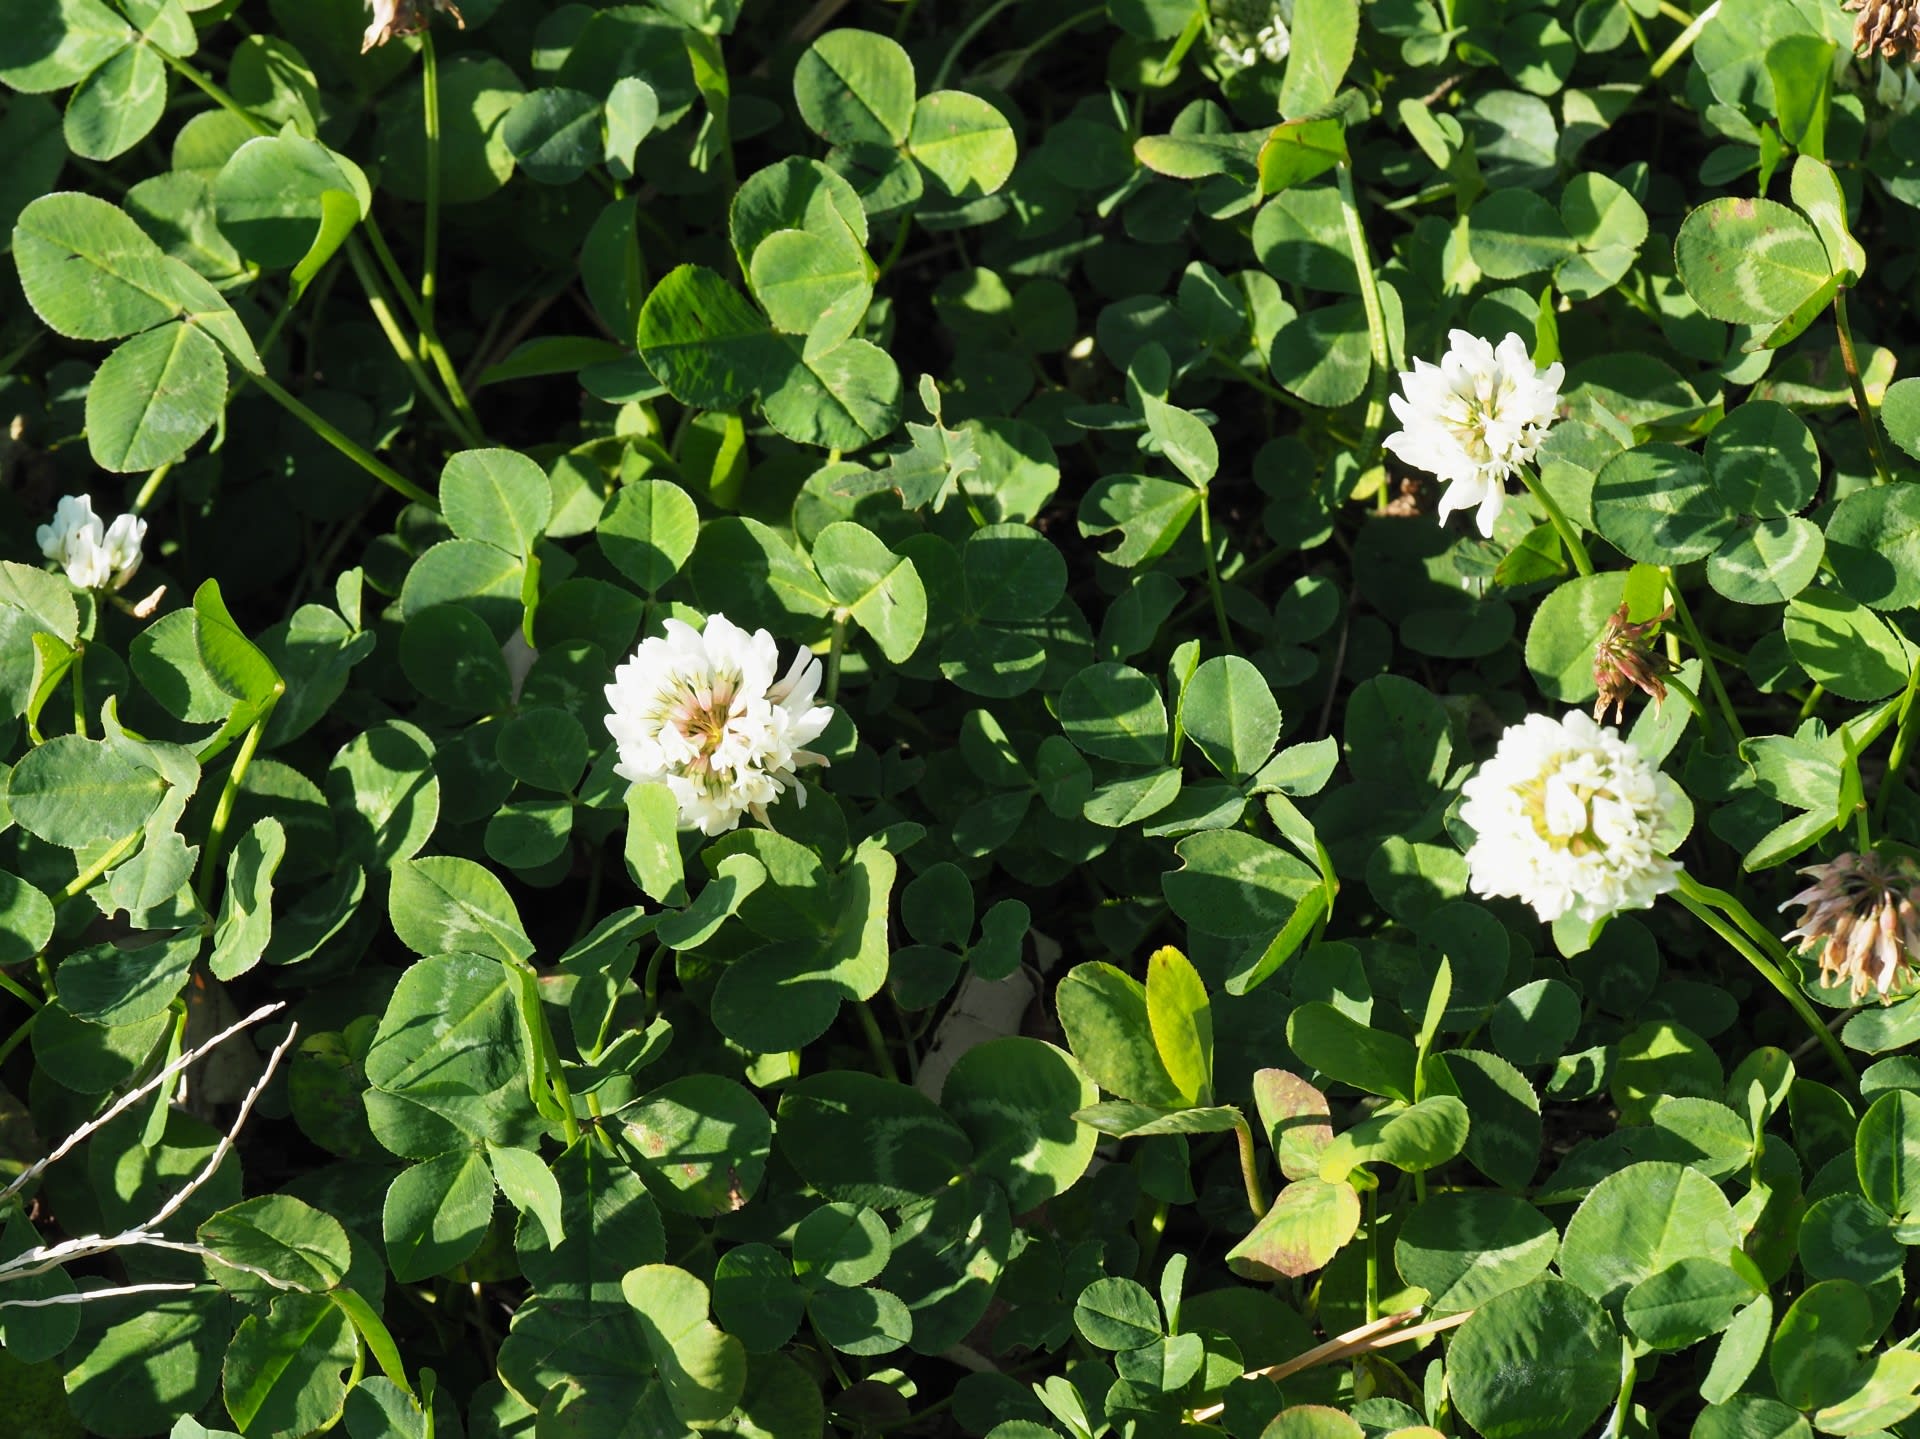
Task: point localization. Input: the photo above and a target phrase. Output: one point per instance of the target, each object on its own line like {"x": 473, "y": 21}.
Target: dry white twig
{"x": 80, "y": 1296}
{"x": 128, "y": 1100}
{"x": 43, "y": 1257}
{"x": 220, "y": 1150}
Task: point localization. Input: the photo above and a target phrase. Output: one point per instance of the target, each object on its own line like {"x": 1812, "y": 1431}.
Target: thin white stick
{"x": 127, "y": 1101}
{"x": 41, "y": 1258}
{"x": 220, "y": 1150}
{"x": 81, "y": 1296}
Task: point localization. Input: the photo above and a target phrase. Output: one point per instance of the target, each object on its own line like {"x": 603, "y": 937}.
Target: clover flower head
{"x": 1474, "y": 419}
{"x": 1568, "y": 817}
{"x": 1248, "y": 33}
{"x": 95, "y": 556}
{"x": 708, "y": 714}
{"x": 1890, "y": 26}
{"x": 1859, "y": 917}
{"x": 396, "y": 19}
{"x": 1624, "y": 660}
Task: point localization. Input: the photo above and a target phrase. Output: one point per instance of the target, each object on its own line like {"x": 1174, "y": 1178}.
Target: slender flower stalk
{"x": 1728, "y": 918}
{"x": 1862, "y": 406}
{"x": 707, "y": 714}
{"x": 1475, "y": 420}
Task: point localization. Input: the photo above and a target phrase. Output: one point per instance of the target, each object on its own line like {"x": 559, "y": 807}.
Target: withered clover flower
{"x": 393, "y": 19}
{"x": 1624, "y": 660}
{"x": 1860, "y": 918}
{"x": 1890, "y": 26}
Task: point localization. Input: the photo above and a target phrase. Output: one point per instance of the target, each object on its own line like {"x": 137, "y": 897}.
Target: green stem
{"x": 1692, "y": 631}
{"x": 391, "y": 478}
{"x": 382, "y": 309}
{"x": 1562, "y": 526}
{"x": 223, "y": 808}
{"x": 557, "y": 1080}
{"x": 1757, "y": 933}
{"x": 899, "y": 246}
{"x": 156, "y": 1126}
{"x": 1683, "y": 42}
{"x": 1639, "y": 32}
{"x": 1622, "y": 1406}
{"x": 1372, "y": 1198}
{"x": 876, "y": 1041}
{"x": 650, "y": 988}
{"x": 1681, "y": 688}
{"x": 964, "y": 39}
{"x": 1250, "y": 1168}
{"x": 1708, "y": 905}
{"x": 1155, "y": 1226}
{"x": 1370, "y": 302}
{"x": 149, "y": 488}
{"x": 1897, "y": 756}
{"x": 827, "y": 1353}
{"x": 75, "y": 681}
{"x": 21, "y": 1031}
{"x": 430, "y": 241}
{"x": 1213, "y": 571}
{"x": 19, "y": 991}
{"x": 430, "y": 344}
{"x": 1072, "y": 22}
{"x": 1850, "y": 362}
{"x": 834, "y": 649}
{"x": 390, "y": 267}
{"x": 1246, "y": 377}
{"x": 111, "y": 856}
{"x": 196, "y": 77}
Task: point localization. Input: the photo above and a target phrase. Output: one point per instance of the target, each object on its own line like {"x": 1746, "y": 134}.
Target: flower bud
{"x": 1624, "y": 660}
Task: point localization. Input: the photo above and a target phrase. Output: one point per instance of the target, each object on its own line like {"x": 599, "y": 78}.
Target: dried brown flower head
{"x": 1861, "y": 920}
{"x": 1890, "y": 26}
{"x": 1409, "y": 497}
{"x": 1624, "y": 660}
{"x": 396, "y": 18}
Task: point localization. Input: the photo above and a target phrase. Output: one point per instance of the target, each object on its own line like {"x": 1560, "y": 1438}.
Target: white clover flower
{"x": 1474, "y": 419}
{"x": 1569, "y": 817}
{"x": 1246, "y": 34}
{"x": 701, "y": 712}
{"x": 95, "y": 556}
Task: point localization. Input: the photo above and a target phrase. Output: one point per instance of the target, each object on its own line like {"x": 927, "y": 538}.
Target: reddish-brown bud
{"x": 1625, "y": 660}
